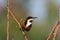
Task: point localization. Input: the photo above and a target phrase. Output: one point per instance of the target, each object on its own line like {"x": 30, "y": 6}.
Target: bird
{"x": 27, "y": 24}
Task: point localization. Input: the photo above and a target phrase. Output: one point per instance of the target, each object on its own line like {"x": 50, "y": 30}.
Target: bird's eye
{"x": 31, "y": 20}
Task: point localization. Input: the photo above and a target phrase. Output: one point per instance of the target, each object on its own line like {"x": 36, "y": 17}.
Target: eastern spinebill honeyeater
{"x": 27, "y": 24}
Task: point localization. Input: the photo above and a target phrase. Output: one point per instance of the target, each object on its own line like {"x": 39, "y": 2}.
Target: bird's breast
{"x": 26, "y": 28}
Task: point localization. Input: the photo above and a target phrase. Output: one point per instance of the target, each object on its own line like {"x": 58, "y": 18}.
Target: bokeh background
{"x": 45, "y": 10}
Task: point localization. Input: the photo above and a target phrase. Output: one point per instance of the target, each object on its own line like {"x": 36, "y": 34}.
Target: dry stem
{"x": 55, "y": 32}
{"x": 56, "y": 27}
{"x": 49, "y": 36}
{"x": 9, "y": 11}
{"x": 8, "y": 25}
{"x": 7, "y": 20}
{"x": 24, "y": 34}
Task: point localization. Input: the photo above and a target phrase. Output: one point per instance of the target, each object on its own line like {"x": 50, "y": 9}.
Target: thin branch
{"x": 8, "y": 26}
{"x": 55, "y": 32}
{"x": 54, "y": 27}
{"x": 7, "y": 20}
{"x": 9, "y": 11}
{"x": 24, "y": 34}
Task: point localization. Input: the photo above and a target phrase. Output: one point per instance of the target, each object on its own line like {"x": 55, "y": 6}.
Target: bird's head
{"x": 30, "y": 19}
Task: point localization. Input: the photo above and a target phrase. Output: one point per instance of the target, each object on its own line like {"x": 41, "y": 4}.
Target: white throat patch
{"x": 28, "y": 23}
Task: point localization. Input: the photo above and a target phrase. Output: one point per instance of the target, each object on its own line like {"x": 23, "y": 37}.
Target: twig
{"x": 7, "y": 20}
{"x": 56, "y": 27}
{"x": 24, "y": 34}
{"x": 9, "y": 11}
{"x": 55, "y": 32}
{"x": 8, "y": 25}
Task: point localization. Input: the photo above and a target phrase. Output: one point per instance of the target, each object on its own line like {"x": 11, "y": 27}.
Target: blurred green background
{"x": 45, "y": 10}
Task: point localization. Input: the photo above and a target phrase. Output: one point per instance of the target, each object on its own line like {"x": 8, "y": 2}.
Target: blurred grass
{"x": 3, "y": 25}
